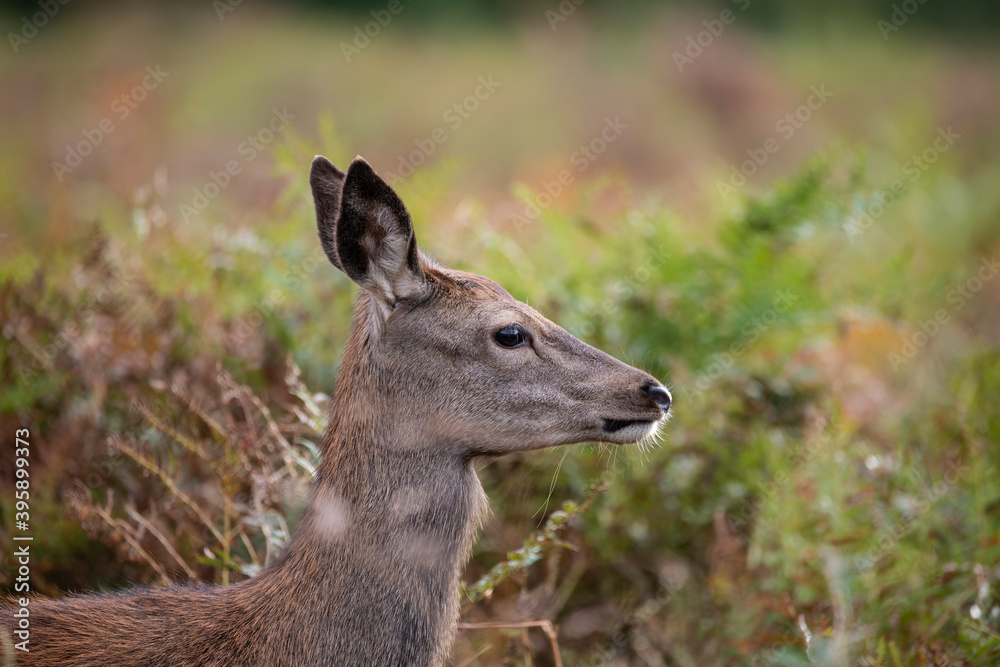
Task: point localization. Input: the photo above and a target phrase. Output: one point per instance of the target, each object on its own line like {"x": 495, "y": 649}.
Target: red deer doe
{"x": 441, "y": 367}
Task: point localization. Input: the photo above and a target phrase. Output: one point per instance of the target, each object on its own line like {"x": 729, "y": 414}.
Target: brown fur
{"x": 371, "y": 575}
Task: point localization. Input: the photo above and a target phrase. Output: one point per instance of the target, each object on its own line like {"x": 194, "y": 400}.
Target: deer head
{"x": 452, "y": 355}
{"x": 441, "y": 366}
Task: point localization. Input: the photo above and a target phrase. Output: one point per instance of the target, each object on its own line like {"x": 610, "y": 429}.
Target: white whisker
{"x": 552, "y": 487}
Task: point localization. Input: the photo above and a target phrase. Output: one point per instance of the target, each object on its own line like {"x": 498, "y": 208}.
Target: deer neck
{"x": 385, "y": 537}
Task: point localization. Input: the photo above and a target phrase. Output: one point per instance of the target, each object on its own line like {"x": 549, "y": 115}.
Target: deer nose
{"x": 659, "y": 395}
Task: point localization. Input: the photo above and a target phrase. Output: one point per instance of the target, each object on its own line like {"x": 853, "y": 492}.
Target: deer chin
{"x": 628, "y": 431}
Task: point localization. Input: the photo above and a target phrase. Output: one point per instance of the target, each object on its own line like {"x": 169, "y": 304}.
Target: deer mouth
{"x": 626, "y": 431}
{"x": 615, "y": 425}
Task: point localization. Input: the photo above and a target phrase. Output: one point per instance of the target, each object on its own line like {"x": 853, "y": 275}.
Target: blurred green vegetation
{"x": 828, "y": 489}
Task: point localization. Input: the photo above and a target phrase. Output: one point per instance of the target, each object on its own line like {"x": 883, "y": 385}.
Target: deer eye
{"x": 511, "y": 337}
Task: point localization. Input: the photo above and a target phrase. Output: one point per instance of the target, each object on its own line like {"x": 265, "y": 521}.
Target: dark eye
{"x": 511, "y": 337}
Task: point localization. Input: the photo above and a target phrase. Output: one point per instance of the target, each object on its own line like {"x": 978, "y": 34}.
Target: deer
{"x": 442, "y": 368}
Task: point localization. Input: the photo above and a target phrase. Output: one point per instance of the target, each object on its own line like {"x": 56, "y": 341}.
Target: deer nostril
{"x": 659, "y": 395}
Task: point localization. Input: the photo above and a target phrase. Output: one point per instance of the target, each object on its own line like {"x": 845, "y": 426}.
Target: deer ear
{"x": 374, "y": 237}
{"x": 327, "y": 184}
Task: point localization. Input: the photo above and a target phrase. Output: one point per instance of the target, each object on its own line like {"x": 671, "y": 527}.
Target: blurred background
{"x": 789, "y": 212}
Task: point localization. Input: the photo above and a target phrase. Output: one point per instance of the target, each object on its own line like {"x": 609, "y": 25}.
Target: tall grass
{"x": 812, "y": 503}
